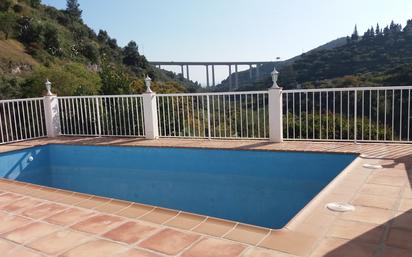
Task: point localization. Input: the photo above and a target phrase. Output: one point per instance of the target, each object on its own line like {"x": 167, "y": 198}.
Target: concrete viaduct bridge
{"x": 210, "y": 68}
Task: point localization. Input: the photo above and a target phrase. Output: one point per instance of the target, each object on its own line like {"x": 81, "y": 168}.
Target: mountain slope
{"x": 12, "y": 50}
{"x": 371, "y": 55}
{"x": 379, "y": 57}
{"x": 39, "y": 42}
{"x": 247, "y": 83}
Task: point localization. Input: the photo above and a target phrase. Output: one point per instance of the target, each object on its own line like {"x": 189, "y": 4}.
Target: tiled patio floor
{"x": 40, "y": 221}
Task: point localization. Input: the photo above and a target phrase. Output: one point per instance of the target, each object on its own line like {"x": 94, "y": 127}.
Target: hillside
{"x": 245, "y": 83}
{"x": 380, "y": 57}
{"x": 12, "y": 50}
{"x": 39, "y": 42}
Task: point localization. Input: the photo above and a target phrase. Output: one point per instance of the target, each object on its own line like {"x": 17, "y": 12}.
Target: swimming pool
{"x": 262, "y": 188}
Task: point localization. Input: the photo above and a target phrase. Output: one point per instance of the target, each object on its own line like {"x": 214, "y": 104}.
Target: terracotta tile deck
{"x": 40, "y": 221}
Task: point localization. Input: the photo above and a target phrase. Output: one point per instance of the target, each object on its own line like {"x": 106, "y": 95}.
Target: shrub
{"x": 17, "y": 8}
{"x": 63, "y": 19}
{"x": 90, "y": 52}
{"x": 69, "y": 79}
{"x": 7, "y": 23}
{"x": 35, "y": 3}
{"x": 9, "y": 88}
{"x": 115, "y": 80}
{"x": 30, "y": 30}
{"x": 51, "y": 40}
{"x": 5, "y": 5}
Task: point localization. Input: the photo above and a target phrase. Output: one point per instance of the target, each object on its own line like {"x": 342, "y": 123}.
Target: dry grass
{"x": 12, "y": 50}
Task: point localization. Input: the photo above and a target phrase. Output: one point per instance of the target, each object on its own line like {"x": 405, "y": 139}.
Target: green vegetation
{"x": 381, "y": 57}
{"x": 39, "y": 42}
{"x": 333, "y": 127}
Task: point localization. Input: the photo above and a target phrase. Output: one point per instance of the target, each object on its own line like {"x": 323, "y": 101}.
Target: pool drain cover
{"x": 340, "y": 207}
{"x": 372, "y": 166}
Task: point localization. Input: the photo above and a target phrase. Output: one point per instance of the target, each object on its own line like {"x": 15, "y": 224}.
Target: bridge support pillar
{"x": 213, "y": 76}
{"x": 207, "y": 75}
{"x": 230, "y": 77}
{"x": 236, "y": 77}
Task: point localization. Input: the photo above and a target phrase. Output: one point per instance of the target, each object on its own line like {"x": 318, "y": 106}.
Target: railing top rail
{"x": 97, "y": 96}
{"x": 347, "y": 89}
{"x": 21, "y": 100}
{"x": 228, "y": 93}
{"x": 216, "y": 93}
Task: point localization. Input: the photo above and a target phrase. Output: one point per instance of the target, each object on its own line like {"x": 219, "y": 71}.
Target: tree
{"x": 408, "y": 29}
{"x": 30, "y": 30}
{"x": 112, "y": 43}
{"x": 395, "y": 28}
{"x": 355, "y": 35}
{"x": 378, "y": 31}
{"x": 392, "y": 26}
{"x": 51, "y": 40}
{"x": 131, "y": 54}
{"x": 73, "y": 9}
{"x": 102, "y": 36}
{"x": 90, "y": 52}
{"x": 408, "y": 23}
{"x": 35, "y": 3}
{"x": 369, "y": 34}
{"x": 386, "y": 31}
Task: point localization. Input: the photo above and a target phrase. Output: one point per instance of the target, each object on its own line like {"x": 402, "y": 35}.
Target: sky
{"x": 234, "y": 30}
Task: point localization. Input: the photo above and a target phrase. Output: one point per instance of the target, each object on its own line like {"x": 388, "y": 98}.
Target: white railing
{"x": 214, "y": 115}
{"x": 120, "y": 115}
{"x": 21, "y": 119}
{"x": 367, "y": 114}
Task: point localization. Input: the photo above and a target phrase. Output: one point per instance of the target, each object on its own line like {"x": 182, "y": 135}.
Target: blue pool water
{"x": 255, "y": 187}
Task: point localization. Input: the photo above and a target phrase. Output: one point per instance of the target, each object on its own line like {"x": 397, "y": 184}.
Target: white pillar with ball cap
{"x": 150, "y": 112}
{"x": 275, "y": 110}
{"x": 51, "y": 112}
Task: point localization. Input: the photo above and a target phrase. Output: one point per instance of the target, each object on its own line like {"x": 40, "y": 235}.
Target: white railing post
{"x": 275, "y": 110}
{"x": 355, "y": 118}
{"x": 150, "y": 112}
{"x": 209, "y": 133}
{"x": 51, "y": 112}
{"x": 99, "y": 125}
